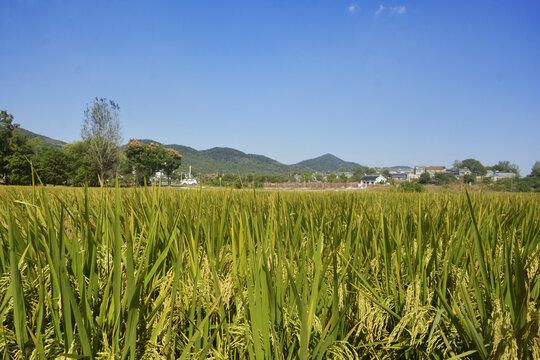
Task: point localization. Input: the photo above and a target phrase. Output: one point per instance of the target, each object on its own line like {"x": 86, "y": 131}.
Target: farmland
{"x": 159, "y": 273}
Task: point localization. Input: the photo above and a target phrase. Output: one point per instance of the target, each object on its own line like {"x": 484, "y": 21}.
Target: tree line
{"x": 99, "y": 157}
{"x": 95, "y": 160}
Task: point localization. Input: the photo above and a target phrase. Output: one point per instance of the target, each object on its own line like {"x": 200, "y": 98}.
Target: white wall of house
{"x": 379, "y": 180}
{"x": 502, "y": 175}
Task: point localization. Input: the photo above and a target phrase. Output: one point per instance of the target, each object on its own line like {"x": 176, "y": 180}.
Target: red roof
{"x": 435, "y": 168}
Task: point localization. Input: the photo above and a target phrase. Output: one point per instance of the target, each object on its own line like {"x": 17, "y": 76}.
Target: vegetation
{"x": 101, "y": 133}
{"x": 328, "y": 162}
{"x": 15, "y": 152}
{"x": 164, "y": 273}
{"x": 360, "y": 171}
{"x": 230, "y": 161}
{"x": 99, "y": 156}
{"x": 505, "y": 166}
{"x": 444, "y": 178}
{"x": 425, "y": 178}
{"x": 45, "y": 140}
{"x": 144, "y": 160}
{"x": 526, "y": 184}
{"x": 469, "y": 178}
{"x": 411, "y": 187}
{"x": 472, "y": 164}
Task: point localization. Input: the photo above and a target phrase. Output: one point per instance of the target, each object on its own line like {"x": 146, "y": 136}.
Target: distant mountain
{"x": 224, "y": 160}
{"x": 47, "y": 141}
{"x": 327, "y": 162}
{"x": 231, "y": 161}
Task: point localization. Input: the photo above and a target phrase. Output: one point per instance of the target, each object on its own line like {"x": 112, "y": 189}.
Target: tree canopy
{"x": 144, "y": 160}
{"x": 16, "y": 152}
{"x": 424, "y": 178}
{"x": 101, "y": 132}
{"x": 53, "y": 166}
{"x": 474, "y": 165}
{"x": 505, "y": 166}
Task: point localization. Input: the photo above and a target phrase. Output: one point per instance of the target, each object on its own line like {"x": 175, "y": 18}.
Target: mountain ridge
{"x": 327, "y": 162}
{"x": 233, "y": 161}
{"x": 47, "y": 141}
{"x": 227, "y": 160}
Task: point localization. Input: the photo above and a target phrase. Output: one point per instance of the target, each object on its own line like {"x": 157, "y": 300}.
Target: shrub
{"x": 411, "y": 187}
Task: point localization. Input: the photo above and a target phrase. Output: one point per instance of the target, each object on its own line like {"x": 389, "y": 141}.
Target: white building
{"x": 432, "y": 170}
{"x": 502, "y": 175}
{"x": 373, "y": 179}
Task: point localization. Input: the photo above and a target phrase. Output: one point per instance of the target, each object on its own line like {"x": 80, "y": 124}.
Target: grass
{"x": 164, "y": 273}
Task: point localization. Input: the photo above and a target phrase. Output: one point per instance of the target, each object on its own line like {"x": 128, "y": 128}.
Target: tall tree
{"x": 53, "y": 166}
{"x": 15, "y": 152}
{"x": 81, "y": 170}
{"x": 6, "y": 133}
{"x": 101, "y": 132}
{"x": 143, "y": 160}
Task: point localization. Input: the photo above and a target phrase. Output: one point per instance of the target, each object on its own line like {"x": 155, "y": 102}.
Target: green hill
{"x": 223, "y": 160}
{"x": 327, "y": 162}
{"x": 47, "y": 141}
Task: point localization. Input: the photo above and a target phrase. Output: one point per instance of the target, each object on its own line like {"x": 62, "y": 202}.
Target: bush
{"x": 237, "y": 184}
{"x": 469, "y": 178}
{"x": 444, "y": 178}
{"x": 425, "y": 178}
{"x": 411, "y": 187}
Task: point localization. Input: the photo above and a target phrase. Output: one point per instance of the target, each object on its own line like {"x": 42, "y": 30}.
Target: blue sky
{"x": 381, "y": 83}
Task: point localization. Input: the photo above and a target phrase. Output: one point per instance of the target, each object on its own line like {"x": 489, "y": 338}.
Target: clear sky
{"x": 381, "y": 83}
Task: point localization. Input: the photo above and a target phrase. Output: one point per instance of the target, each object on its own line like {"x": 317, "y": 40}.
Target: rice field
{"x": 157, "y": 273}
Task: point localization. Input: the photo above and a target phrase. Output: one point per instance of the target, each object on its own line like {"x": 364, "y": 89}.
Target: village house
{"x": 373, "y": 179}
{"x": 432, "y": 170}
{"x": 397, "y": 176}
{"x": 399, "y": 169}
{"x": 461, "y": 172}
{"x": 502, "y": 175}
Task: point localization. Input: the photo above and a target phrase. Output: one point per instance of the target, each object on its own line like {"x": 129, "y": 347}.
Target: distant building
{"x": 400, "y": 169}
{"x": 502, "y": 175}
{"x": 373, "y": 179}
{"x": 432, "y": 170}
{"x": 419, "y": 170}
{"x": 397, "y": 176}
{"x": 462, "y": 171}
{"x": 348, "y": 174}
